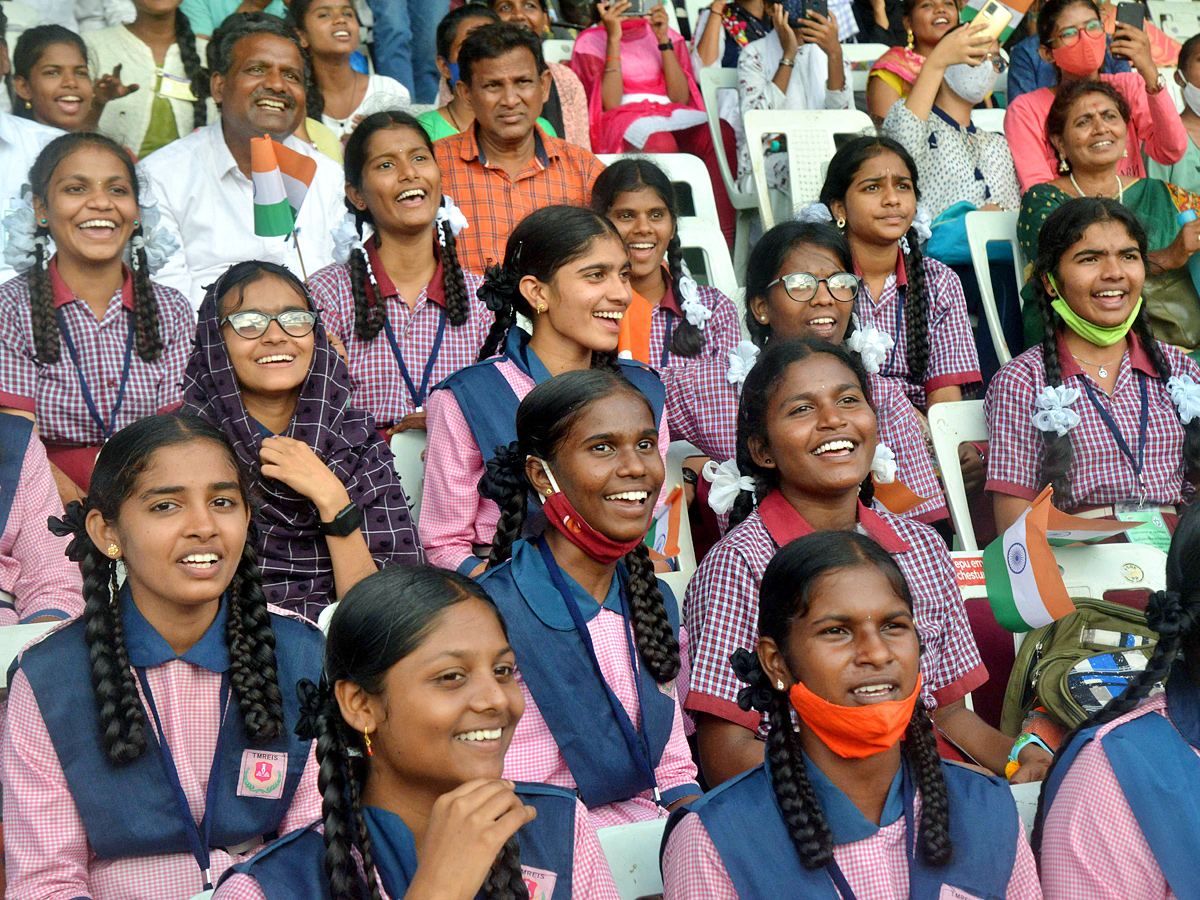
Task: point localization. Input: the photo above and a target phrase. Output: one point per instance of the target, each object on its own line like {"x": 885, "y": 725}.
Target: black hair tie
{"x": 504, "y": 474}
{"x": 74, "y": 523}
{"x": 1166, "y": 616}
{"x": 758, "y": 693}
{"x": 312, "y": 700}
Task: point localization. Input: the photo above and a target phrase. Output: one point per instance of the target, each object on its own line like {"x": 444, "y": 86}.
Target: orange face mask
{"x": 855, "y": 732}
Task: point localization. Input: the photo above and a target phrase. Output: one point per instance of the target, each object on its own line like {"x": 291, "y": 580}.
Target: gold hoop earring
{"x": 841, "y": 221}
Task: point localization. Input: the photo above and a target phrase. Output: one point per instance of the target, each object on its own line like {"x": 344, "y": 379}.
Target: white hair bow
{"x": 451, "y": 214}
{"x": 157, "y": 242}
{"x": 871, "y": 344}
{"x": 1054, "y": 411}
{"x": 727, "y": 482}
{"x": 345, "y": 239}
{"x": 741, "y": 361}
{"x": 20, "y": 228}
{"x": 1185, "y": 394}
{"x": 689, "y": 301}
{"x": 883, "y": 464}
{"x": 815, "y": 212}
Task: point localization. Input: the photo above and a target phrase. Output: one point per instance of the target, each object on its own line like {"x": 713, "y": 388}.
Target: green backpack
{"x": 1074, "y": 666}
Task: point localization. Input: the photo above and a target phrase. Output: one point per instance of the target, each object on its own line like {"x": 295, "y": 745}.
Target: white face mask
{"x": 972, "y": 83}
{"x": 1191, "y": 96}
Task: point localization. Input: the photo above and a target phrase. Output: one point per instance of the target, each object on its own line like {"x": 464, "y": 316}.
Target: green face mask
{"x": 1089, "y": 331}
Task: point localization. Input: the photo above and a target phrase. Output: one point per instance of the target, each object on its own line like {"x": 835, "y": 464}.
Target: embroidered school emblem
{"x": 539, "y": 882}
{"x": 262, "y": 775}
{"x": 953, "y": 893}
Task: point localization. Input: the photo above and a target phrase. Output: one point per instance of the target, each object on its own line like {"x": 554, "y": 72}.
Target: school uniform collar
{"x": 529, "y": 571}
{"x": 517, "y": 349}
{"x": 435, "y": 291}
{"x": 393, "y": 849}
{"x": 1183, "y": 705}
{"x": 64, "y": 295}
{"x": 784, "y": 524}
{"x": 901, "y": 273}
{"x": 846, "y": 823}
{"x": 147, "y": 648}
{"x": 669, "y": 300}
{"x": 542, "y": 151}
{"x": 1138, "y": 359}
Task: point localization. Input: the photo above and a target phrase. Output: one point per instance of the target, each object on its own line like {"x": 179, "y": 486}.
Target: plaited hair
{"x": 759, "y": 389}
{"x": 784, "y": 596}
{"x": 192, "y": 67}
{"x": 1175, "y": 615}
{"x": 634, "y": 174}
{"x": 369, "y": 316}
{"x": 46, "y": 340}
{"x": 542, "y": 243}
{"x": 843, "y": 169}
{"x": 544, "y": 420}
{"x": 379, "y": 622}
{"x": 1062, "y": 229}
{"x": 248, "y": 633}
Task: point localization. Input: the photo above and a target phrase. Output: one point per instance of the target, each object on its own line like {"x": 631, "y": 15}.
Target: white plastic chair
{"x": 745, "y": 202}
{"x": 865, "y": 55}
{"x": 692, "y": 10}
{"x": 1176, "y": 18}
{"x": 951, "y": 424}
{"x": 632, "y": 854}
{"x": 13, "y": 639}
{"x": 557, "y": 50}
{"x": 408, "y": 448}
{"x": 1026, "y": 798}
{"x": 988, "y": 120}
{"x": 681, "y": 168}
{"x": 707, "y": 237}
{"x": 982, "y": 229}
{"x": 810, "y": 146}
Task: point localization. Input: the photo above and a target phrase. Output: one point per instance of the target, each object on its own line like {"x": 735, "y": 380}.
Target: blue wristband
{"x": 1024, "y": 739}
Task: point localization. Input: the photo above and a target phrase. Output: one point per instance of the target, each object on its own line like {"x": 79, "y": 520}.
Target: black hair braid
{"x": 251, "y": 641}
{"x": 1191, "y": 431}
{"x": 313, "y": 98}
{"x": 41, "y": 304}
{"x": 454, "y": 285}
{"x": 794, "y": 793}
{"x": 656, "y": 641}
{"x": 496, "y": 292}
{"x": 192, "y": 67}
{"x": 504, "y": 483}
{"x": 146, "y": 327}
{"x": 866, "y": 490}
{"x": 122, "y": 716}
{"x": 916, "y": 311}
{"x": 368, "y": 317}
{"x": 1059, "y": 453}
{"x": 746, "y": 501}
{"x": 505, "y": 881}
{"x": 921, "y": 751}
{"x": 340, "y": 810}
{"x": 687, "y": 339}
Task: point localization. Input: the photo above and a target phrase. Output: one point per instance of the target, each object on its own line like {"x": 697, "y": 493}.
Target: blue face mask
{"x": 453, "y": 67}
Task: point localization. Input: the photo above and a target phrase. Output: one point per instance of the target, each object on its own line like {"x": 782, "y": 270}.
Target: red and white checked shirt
{"x": 453, "y": 514}
{"x": 876, "y": 867}
{"x": 1101, "y": 474}
{"x": 1092, "y": 846}
{"x": 702, "y": 407}
{"x": 47, "y": 855}
{"x": 494, "y": 202}
{"x": 953, "y": 358}
{"x": 721, "y": 332}
{"x": 52, "y": 392}
{"x": 591, "y": 878}
{"x": 721, "y": 606}
{"x": 378, "y": 385}
{"x": 33, "y": 570}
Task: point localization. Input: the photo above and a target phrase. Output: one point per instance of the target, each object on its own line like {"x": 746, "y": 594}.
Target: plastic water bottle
{"x": 1184, "y": 217}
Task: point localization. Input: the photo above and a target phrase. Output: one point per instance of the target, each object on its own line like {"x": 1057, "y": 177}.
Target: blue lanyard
{"x": 667, "y": 335}
{"x": 105, "y": 429}
{"x": 199, "y": 836}
{"x": 418, "y": 395}
{"x": 1111, "y": 424}
{"x": 910, "y": 841}
{"x": 636, "y": 742}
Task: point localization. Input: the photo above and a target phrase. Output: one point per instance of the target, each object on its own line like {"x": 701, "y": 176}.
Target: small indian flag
{"x": 1024, "y": 584}
{"x": 634, "y": 340}
{"x": 663, "y": 536}
{"x": 281, "y": 177}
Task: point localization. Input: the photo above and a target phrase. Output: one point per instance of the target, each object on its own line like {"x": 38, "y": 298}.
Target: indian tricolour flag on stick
{"x": 281, "y": 177}
{"x": 663, "y": 536}
{"x": 1024, "y": 584}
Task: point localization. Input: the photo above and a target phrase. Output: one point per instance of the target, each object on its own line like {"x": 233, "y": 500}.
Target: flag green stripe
{"x": 1000, "y": 589}
{"x": 273, "y": 219}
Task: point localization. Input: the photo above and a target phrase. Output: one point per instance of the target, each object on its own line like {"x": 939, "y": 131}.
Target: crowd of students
{"x": 195, "y": 464}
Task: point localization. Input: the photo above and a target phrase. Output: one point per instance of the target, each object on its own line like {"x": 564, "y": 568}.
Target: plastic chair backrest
{"x": 408, "y": 449}
{"x": 557, "y": 50}
{"x": 632, "y": 854}
{"x": 810, "y": 146}
{"x": 706, "y": 236}
{"x": 681, "y": 168}
{"x": 1177, "y": 19}
{"x": 951, "y": 424}
{"x": 692, "y": 9}
{"x": 983, "y": 228}
{"x": 988, "y": 120}
{"x": 712, "y": 80}
{"x": 861, "y": 57}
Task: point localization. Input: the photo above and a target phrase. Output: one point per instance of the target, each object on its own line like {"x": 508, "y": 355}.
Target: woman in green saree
{"x": 1086, "y": 126}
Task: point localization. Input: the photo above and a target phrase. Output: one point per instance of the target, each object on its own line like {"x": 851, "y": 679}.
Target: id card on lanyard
{"x": 1137, "y": 463}
{"x": 418, "y": 394}
{"x": 108, "y": 428}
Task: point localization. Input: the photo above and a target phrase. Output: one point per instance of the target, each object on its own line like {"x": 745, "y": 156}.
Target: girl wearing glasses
{"x": 800, "y": 282}
{"x": 331, "y": 510}
{"x": 88, "y": 343}
{"x": 1072, "y": 37}
{"x": 806, "y": 454}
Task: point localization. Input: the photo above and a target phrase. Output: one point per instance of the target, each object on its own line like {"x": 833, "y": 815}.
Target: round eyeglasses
{"x": 1069, "y": 37}
{"x": 251, "y": 324}
{"x": 802, "y": 286}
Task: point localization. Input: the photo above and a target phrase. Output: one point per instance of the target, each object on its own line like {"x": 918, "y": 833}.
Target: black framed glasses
{"x": 1069, "y": 37}
{"x": 252, "y": 324}
{"x": 802, "y": 286}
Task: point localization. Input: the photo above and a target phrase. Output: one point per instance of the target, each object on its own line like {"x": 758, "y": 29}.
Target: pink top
{"x": 453, "y": 514}
{"x": 534, "y": 755}
{"x": 40, "y": 580}
{"x": 875, "y": 867}
{"x": 47, "y": 853}
{"x": 590, "y": 875}
{"x": 1092, "y": 846}
{"x": 1154, "y": 122}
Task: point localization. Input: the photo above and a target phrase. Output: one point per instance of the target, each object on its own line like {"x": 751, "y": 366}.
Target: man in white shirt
{"x": 202, "y": 182}
{"x": 21, "y": 140}
{"x": 791, "y": 68}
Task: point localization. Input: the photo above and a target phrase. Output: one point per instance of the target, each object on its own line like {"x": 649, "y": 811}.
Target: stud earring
{"x": 779, "y": 685}
{"x": 367, "y": 743}
{"x": 43, "y": 221}
{"x": 549, "y": 492}
{"x": 841, "y": 221}
{"x": 136, "y": 223}
{"x": 114, "y": 551}
{"x": 541, "y": 308}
